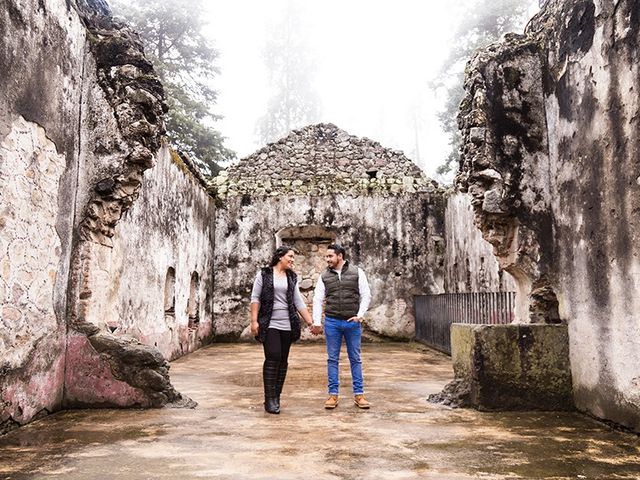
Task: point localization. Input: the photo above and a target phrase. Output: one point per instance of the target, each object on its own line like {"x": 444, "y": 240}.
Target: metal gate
{"x": 436, "y": 313}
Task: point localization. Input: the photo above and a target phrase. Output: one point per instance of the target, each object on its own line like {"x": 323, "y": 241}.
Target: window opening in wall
{"x": 170, "y": 292}
{"x": 193, "y": 306}
{"x": 372, "y": 174}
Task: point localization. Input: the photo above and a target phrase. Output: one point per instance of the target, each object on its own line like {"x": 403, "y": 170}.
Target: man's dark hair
{"x": 339, "y": 249}
{"x": 280, "y": 252}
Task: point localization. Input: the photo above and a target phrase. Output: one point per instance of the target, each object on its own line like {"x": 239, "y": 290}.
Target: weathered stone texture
{"x": 510, "y": 367}
{"x": 29, "y": 245}
{"x": 171, "y": 225}
{"x": 81, "y": 119}
{"x": 470, "y": 265}
{"x": 123, "y": 137}
{"x": 319, "y": 160}
{"x": 40, "y": 56}
{"x": 31, "y": 336}
{"x": 396, "y": 240}
{"x": 504, "y": 165}
{"x": 554, "y": 114}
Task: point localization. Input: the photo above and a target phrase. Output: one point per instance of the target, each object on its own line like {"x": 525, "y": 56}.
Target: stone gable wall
{"x": 374, "y": 200}
{"x": 319, "y": 160}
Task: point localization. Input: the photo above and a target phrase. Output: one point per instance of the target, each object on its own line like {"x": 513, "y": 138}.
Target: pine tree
{"x": 287, "y": 58}
{"x": 484, "y": 22}
{"x": 185, "y": 62}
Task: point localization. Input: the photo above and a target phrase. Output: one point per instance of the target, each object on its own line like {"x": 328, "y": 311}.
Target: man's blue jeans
{"x": 334, "y": 330}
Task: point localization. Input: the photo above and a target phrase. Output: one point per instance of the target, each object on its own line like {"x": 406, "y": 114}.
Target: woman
{"x": 275, "y": 304}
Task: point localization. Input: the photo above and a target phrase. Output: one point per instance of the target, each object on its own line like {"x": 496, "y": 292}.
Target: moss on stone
{"x": 175, "y": 157}
{"x": 513, "y": 367}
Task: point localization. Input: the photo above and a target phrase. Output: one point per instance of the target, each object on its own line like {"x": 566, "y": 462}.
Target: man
{"x": 344, "y": 290}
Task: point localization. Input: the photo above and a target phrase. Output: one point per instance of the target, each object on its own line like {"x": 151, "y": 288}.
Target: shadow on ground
{"x": 402, "y": 437}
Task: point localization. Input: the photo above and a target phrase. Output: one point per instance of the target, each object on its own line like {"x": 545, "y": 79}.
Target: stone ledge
{"x": 510, "y": 367}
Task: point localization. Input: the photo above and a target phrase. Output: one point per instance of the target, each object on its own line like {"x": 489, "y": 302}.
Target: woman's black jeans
{"x": 277, "y": 345}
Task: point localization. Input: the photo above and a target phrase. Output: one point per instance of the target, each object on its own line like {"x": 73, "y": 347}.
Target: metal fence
{"x": 436, "y": 313}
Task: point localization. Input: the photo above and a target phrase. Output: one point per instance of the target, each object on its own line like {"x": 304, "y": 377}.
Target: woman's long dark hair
{"x": 280, "y": 252}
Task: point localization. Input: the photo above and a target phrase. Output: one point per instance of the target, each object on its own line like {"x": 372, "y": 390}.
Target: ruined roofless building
{"x": 114, "y": 258}
{"x": 110, "y": 246}
{"x": 321, "y": 185}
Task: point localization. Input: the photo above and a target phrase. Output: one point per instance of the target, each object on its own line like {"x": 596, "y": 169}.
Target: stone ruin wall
{"x": 396, "y": 240}
{"x": 550, "y": 159}
{"x": 166, "y": 299}
{"x": 38, "y": 147}
{"x": 470, "y": 265}
{"x": 69, "y": 169}
{"x": 321, "y": 184}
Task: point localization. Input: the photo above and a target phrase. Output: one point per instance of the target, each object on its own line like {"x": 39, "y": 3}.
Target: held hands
{"x": 315, "y": 329}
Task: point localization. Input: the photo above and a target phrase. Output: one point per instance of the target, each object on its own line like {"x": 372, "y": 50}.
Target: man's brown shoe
{"x": 361, "y": 402}
{"x": 332, "y": 402}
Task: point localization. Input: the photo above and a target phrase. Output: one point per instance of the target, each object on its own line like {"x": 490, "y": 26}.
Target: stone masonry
{"x": 550, "y": 159}
{"x": 350, "y": 166}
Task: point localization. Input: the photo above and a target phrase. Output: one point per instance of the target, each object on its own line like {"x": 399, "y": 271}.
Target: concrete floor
{"x": 230, "y": 437}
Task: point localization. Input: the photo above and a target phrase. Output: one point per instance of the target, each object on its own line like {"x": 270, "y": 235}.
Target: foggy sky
{"x": 374, "y": 60}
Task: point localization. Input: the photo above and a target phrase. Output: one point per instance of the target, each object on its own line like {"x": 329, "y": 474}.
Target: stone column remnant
{"x": 504, "y": 166}
{"x": 136, "y": 96}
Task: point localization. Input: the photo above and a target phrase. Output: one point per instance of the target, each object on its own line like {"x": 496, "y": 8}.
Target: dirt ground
{"x": 229, "y": 436}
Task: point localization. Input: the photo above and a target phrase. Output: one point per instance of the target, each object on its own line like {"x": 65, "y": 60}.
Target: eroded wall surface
{"x": 170, "y": 226}
{"x": 470, "y": 265}
{"x": 39, "y": 121}
{"x": 551, "y": 161}
{"x": 396, "y": 240}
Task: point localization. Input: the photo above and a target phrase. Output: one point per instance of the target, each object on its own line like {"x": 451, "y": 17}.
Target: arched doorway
{"x": 310, "y": 243}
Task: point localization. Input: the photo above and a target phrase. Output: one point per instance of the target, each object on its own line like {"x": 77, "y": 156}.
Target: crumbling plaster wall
{"x": 397, "y": 240}
{"x": 470, "y": 265}
{"x": 39, "y": 108}
{"x": 69, "y": 168}
{"x": 169, "y": 226}
{"x": 551, "y": 160}
{"x": 373, "y": 200}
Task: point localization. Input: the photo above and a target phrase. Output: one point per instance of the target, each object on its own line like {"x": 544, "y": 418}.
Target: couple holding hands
{"x": 276, "y": 307}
